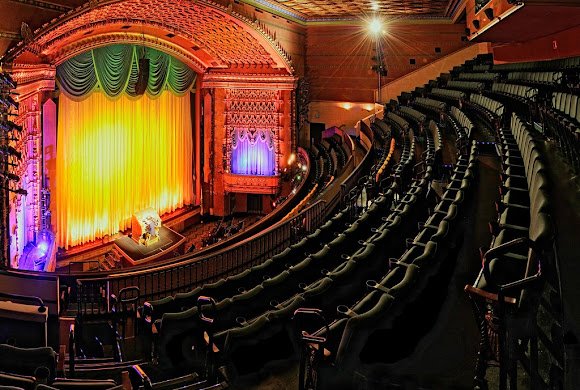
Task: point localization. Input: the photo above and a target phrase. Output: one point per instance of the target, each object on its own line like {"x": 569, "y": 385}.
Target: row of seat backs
{"x": 537, "y": 77}
{"x": 396, "y": 218}
{"x": 431, "y": 103}
{"x": 306, "y": 245}
{"x": 540, "y": 225}
{"x": 397, "y": 120}
{"x": 26, "y": 360}
{"x": 567, "y": 104}
{"x": 436, "y": 135}
{"x": 409, "y": 266}
{"x": 385, "y": 129}
{"x": 29, "y": 382}
{"x": 385, "y": 163}
{"x": 185, "y": 300}
{"x": 481, "y": 67}
{"x": 408, "y": 153}
{"x": 466, "y": 85}
{"x": 478, "y": 76}
{"x": 489, "y": 104}
{"x": 562, "y": 63}
{"x": 463, "y": 120}
{"x": 264, "y": 324}
{"x": 412, "y": 113}
{"x": 449, "y": 93}
{"x": 515, "y": 89}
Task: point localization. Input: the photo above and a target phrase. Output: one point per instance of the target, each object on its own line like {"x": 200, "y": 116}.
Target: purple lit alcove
{"x": 253, "y": 157}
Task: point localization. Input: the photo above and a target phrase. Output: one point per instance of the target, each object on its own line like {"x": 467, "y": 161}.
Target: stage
{"x": 170, "y": 244}
{"x": 88, "y": 256}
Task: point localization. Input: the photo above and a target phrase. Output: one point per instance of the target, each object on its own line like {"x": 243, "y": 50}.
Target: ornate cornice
{"x": 251, "y": 184}
{"x": 29, "y": 73}
{"x": 248, "y": 81}
{"x": 34, "y": 80}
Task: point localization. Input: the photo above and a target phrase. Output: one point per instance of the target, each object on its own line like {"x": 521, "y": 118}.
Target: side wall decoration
{"x": 253, "y": 125}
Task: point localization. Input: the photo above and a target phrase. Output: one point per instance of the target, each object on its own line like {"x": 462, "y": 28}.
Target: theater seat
{"x": 25, "y": 361}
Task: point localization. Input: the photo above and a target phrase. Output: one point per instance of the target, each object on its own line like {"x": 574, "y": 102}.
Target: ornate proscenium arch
{"x": 202, "y": 33}
{"x": 239, "y": 65}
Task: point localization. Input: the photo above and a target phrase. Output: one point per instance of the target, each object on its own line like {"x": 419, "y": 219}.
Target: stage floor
{"x": 82, "y": 257}
{"x": 169, "y": 241}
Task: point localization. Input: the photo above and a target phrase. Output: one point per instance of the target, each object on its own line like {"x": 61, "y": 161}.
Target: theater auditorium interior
{"x": 289, "y": 194}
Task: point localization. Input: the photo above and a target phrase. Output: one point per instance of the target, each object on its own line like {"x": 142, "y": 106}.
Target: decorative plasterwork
{"x": 32, "y": 79}
{"x": 307, "y": 11}
{"x": 249, "y": 81}
{"x": 96, "y": 41}
{"x": 251, "y": 184}
{"x": 232, "y": 39}
{"x": 255, "y": 111}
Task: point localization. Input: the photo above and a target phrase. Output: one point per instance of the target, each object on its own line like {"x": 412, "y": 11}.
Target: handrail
{"x": 93, "y": 293}
{"x": 356, "y": 174}
{"x": 29, "y": 298}
{"x": 186, "y": 261}
{"x": 185, "y": 274}
{"x": 181, "y": 274}
{"x": 254, "y": 230}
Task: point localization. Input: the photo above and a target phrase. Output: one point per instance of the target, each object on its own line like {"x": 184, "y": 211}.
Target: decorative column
{"x": 25, "y": 216}
{"x": 254, "y": 104}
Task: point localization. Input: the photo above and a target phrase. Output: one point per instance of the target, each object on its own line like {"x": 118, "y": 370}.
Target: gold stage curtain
{"x": 118, "y": 156}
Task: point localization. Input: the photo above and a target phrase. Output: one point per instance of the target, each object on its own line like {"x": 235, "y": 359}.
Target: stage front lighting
{"x": 9, "y": 125}
{"x": 9, "y": 176}
{"x": 6, "y": 80}
{"x": 10, "y": 151}
{"x": 20, "y": 191}
{"x": 8, "y": 102}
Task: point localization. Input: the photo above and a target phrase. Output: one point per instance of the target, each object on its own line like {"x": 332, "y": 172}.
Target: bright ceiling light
{"x": 375, "y": 26}
{"x": 375, "y": 6}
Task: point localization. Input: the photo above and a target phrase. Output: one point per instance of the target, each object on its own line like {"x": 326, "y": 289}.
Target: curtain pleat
{"x": 112, "y": 65}
{"x": 77, "y": 76}
{"x": 118, "y": 156}
{"x": 114, "y": 69}
{"x": 158, "y": 71}
{"x": 253, "y": 154}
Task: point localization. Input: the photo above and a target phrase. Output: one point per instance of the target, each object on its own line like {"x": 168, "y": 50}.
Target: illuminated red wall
{"x": 338, "y": 58}
{"x": 560, "y": 45}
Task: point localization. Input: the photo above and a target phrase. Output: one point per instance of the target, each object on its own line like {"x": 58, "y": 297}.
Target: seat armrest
{"x": 471, "y": 290}
{"x": 498, "y": 251}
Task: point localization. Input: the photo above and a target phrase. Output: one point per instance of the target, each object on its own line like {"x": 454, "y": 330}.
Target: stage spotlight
{"x": 8, "y": 102}
{"x": 8, "y": 81}
{"x": 9, "y": 176}
{"x": 8, "y": 126}
{"x": 10, "y": 151}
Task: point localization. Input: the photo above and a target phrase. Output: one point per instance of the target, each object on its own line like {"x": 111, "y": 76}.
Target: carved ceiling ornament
{"x": 227, "y": 39}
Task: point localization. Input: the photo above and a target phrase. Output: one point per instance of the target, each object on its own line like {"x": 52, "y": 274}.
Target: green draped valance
{"x": 114, "y": 69}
